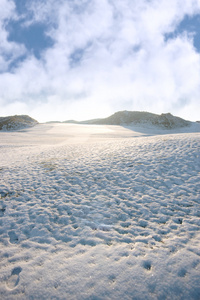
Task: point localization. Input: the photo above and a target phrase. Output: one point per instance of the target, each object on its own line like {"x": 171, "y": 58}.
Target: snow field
{"x": 110, "y": 219}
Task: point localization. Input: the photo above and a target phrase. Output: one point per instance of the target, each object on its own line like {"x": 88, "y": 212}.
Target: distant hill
{"x": 145, "y": 119}
{"x": 71, "y": 121}
{"x": 16, "y": 122}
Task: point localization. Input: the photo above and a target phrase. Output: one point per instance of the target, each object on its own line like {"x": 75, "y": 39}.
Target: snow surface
{"x": 99, "y": 212}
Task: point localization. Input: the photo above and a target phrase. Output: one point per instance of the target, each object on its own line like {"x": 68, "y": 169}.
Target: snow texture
{"x": 99, "y": 212}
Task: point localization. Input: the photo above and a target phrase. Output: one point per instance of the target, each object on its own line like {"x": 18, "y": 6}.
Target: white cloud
{"x": 9, "y": 51}
{"x": 107, "y": 55}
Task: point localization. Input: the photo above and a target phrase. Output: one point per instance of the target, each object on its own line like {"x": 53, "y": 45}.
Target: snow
{"x": 99, "y": 212}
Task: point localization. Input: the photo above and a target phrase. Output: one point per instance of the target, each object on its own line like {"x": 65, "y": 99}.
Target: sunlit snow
{"x": 99, "y": 212}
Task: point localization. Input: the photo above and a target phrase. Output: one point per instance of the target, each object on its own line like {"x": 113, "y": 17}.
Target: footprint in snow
{"x": 2, "y": 210}
{"x": 13, "y": 237}
{"x": 13, "y": 280}
{"x": 112, "y": 278}
{"x": 147, "y": 265}
{"x": 182, "y": 272}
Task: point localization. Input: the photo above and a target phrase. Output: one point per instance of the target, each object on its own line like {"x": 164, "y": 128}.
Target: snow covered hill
{"x": 99, "y": 212}
{"x": 16, "y": 122}
{"x": 145, "y": 119}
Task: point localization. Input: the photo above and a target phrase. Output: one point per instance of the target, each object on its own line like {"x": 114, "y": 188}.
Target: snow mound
{"x": 16, "y": 122}
{"x": 164, "y": 121}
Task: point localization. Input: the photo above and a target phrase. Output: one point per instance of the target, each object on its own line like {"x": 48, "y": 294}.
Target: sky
{"x": 83, "y": 59}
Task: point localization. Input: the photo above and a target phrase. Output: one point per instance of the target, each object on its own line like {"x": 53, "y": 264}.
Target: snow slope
{"x": 99, "y": 212}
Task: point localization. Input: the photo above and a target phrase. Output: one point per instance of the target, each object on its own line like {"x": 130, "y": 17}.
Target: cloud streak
{"x": 105, "y": 56}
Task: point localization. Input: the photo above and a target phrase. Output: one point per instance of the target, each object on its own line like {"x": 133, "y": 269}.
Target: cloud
{"x": 106, "y": 56}
{"x": 9, "y": 51}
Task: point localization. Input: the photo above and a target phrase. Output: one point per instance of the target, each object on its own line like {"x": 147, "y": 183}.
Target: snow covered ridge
{"x": 16, "y": 122}
{"x": 145, "y": 119}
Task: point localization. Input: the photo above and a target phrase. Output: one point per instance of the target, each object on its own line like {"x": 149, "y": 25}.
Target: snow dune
{"x": 99, "y": 212}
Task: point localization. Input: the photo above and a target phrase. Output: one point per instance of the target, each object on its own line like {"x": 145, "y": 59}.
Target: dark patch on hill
{"x": 16, "y": 122}
{"x": 145, "y": 119}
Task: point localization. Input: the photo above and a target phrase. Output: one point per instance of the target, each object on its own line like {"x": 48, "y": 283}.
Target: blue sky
{"x": 189, "y": 25}
{"x": 89, "y": 58}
